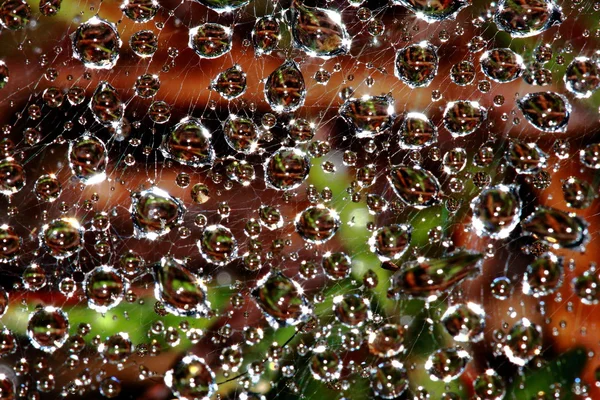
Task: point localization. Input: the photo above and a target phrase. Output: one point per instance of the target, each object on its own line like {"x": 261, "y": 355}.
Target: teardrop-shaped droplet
{"x": 463, "y": 117}
{"x": 181, "y": 292}
{"x": 10, "y": 245}
{"x": 106, "y": 105}
{"x": 62, "y": 237}
{"x": 140, "y": 10}
{"x": 223, "y": 6}
{"x": 352, "y": 309}
{"x": 326, "y": 365}
{"x": 415, "y": 186}
{"x": 12, "y": 176}
{"x": 557, "y": 228}
{"x": 428, "y": 278}
{"x": 447, "y": 364}
{"x": 317, "y": 224}
{"x": 88, "y": 159}
{"x": 502, "y": 65}
{"x": 526, "y": 158}
{"x": 191, "y": 378}
{"x": 155, "y": 213}
{"x": 389, "y": 379}
{"x": 387, "y": 340}
{"x": 465, "y": 322}
{"x": 546, "y": 111}
{"x": 489, "y": 386}
{"x": 218, "y": 245}
{"x": 189, "y": 143}
{"x": 285, "y": 89}
{"x": 337, "y": 265}
{"x": 14, "y": 14}
{"x": 434, "y": 11}
{"x": 582, "y": 77}
{"x": 241, "y": 134}
{"x": 230, "y": 83}
{"x": 281, "y": 299}
{"x": 266, "y": 35}
{"x": 496, "y": 211}
{"x": 318, "y": 31}
{"x": 523, "y": 342}
{"x": 577, "y": 193}
{"x": 370, "y": 115}
{"x": 211, "y": 40}
{"x": 524, "y": 18}
{"x": 105, "y": 288}
{"x": 96, "y": 43}
{"x": 287, "y": 169}
{"x": 48, "y": 329}
{"x": 417, "y": 131}
{"x": 417, "y": 64}
{"x": 391, "y": 242}
{"x": 543, "y": 276}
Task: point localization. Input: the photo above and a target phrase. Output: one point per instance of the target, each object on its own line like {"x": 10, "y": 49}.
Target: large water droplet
{"x": 155, "y": 213}
{"x": 417, "y": 131}
{"x": 319, "y": 32}
{"x": 447, "y": 364}
{"x": 496, "y": 211}
{"x": 526, "y": 158}
{"x": 218, "y": 245}
{"x": 465, "y": 322}
{"x": 104, "y": 287}
{"x": 266, "y": 35}
{"x": 415, "y": 186}
{"x": 543, "y": 276}
{"x": 285, "y": 89}
{"x": 557, "y": 228}
{"x": 546, "y": 111}
{"x": 337, "y": 265}
{"x": 317, "y": 224}
{"x": 428, "y": 278}
{"x": 10, "y": 244}
{"x": 287, "y": 169}
{"x": 96, "y": 43}
{"x": 281, "y": 299}
{"x": 369, "y": 115}
{"x": 230, "y": 83}
{"x": 62, "y": 237}
{"x": 391, "y": 242}
{"x": 582, "y": 77}
{"x": 326, "y": 365}
{"x": 523, "y": 18}
{"x": 106, "y": 105}
{"x": 14, "y": 14}
{"x": 223, "y": 6}
{"x": 140, "y": 10}
{"x": 88, "y": 159}
{"x": 389, "y": 379}
{"x": 387, "y": 340}
{"x": 189, "y": 143}
{"x": 48, "y": 329}
{"x": 463, "y": 117}
{"x": 191, "y": 378}
{"x": 502, "y": 65}
{"x": 211, "y": 40}
{"x": 489, "y": 386}
{"x": 241, "y": 134}
{"x": 352, "y": 309}
{"x": 523, "y": 342}
{"x": 181, "y": 292}
{"x": 434, "y": 11}
{"x": 417, "y": 64}
{"x": 12, "y": 176}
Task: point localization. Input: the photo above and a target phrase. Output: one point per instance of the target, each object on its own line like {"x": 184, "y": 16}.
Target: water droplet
{"x": 389, "y": 379}
{"x": 230, "y": 83}
{"x": 180, "y": 291}
{"x": 428, "y": 278}
{"x": 502, "y": 65}
{"x": 218, "y": 245}
{"x": 417, "y": 131}
{"x": 281, "y": 299}
{"x": 287, "y": 169}
{"x": 587, "y": 287}
{"x": 285, "y": 89}
{"x": 523, "y": 342}
{"x": 191, "y": 378}
{"x": 10, "y": 246}
{"x": 12, "y": 176}
{"x": 140, "y": 10}
{"x": 147, "y": 85}
{"x": 391, "y": 242}
{"x": 455, "y": 160}
{"x": 526, "y": 158}
{"x": 48, "y": 329}
{"x": 463, "y": 73}
{"x": 144, "y": 43}
{"x": 417, "y": 64}
{"x": 557, "y": 228}
{"x": 50, "y": 8}
{"x": 582, "y": 77}
{"x": 546, "y": 111}
{"x": 4, "y": 74}
{"x": 62, "y": 237}
{"x": 88, "y": 159}
{"x": 155, "y": 213}
{"x": 326, "y": 365}
{"x": 543, "y": 276}
{"x": 415, "y": 186}
{"x": 14, "y": 14}
{"x": 577, "y": 193}
{"x": 527, "y": 17}
{"x": 465, "y": 322}
{"x": 434, "y": 11}
{"x": 116, "y": 349}
{"x": 317, "y": 224}
{"x": 223, "y": 6}
{"x": 318, "y": 31}
{"x": 211, "y": 40}
{"x": 387, "y": 340}
{"x": 106, "y": 105}
{"x": 369, "y": 115}
{"x": 489, "y": 386}
{"x": 241, "y": 134}
{"x": 266, "y": 35}
{"x": 352, "y": 309}
{"x": 104, "y": 287}
{"x": 447, "y": 364}
{"x": 496, "y": 211}
{"x": 337, "y": 265}
{"x": 96, "y": 43}
{"x": 463, "y": 117}
{"x": 189, "y": 143}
